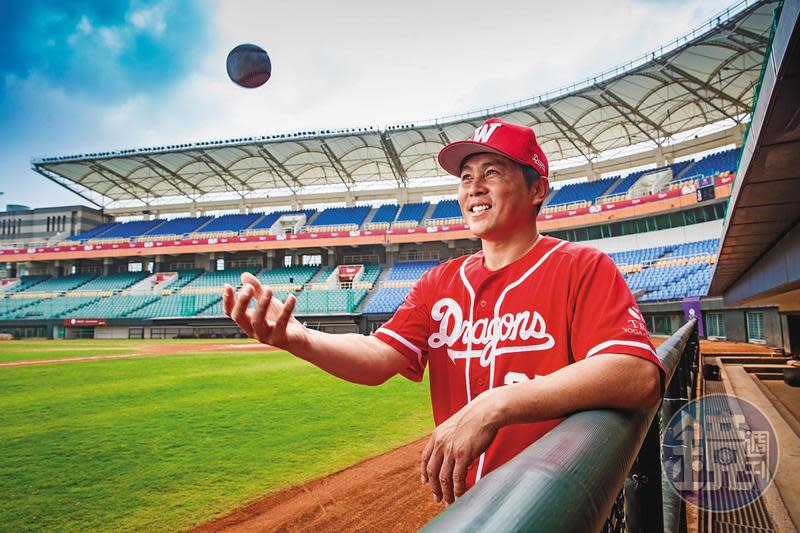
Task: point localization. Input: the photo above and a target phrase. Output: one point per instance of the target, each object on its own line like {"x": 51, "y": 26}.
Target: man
{"x": 517, "y": 336}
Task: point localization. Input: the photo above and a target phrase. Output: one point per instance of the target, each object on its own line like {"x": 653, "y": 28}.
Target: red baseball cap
{"x": 499, "y": 137}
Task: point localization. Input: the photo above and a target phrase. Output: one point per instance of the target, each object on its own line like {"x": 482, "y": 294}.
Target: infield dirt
{"x": 380, "y": 494}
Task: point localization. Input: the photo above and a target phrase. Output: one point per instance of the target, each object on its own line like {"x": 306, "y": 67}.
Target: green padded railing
{"x": 570, "y": 479}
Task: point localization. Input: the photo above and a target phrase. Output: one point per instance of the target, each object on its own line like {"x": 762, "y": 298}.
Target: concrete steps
{"x": 750, "y": 360}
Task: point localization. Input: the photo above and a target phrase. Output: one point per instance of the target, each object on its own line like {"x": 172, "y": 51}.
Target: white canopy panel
{"x": 705, "y": 77}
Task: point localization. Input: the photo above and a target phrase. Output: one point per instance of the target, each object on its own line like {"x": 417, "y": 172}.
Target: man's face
{"x": 493, "y": 196}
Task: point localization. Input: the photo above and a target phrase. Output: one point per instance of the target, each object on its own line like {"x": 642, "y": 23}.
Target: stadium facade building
{"x": 643, "y": 157}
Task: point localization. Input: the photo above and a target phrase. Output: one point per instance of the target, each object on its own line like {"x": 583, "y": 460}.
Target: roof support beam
{"x": 102, "y": 169}
{"x": 443, "y": 136}
{"x": 692, "y": 90}
{"x": 337, "y": 165}
{"x": 394, "y": 160}
{"x": 724, "y": 66}
{"x": 55, "y": 178}
{"x": 611, "y": 98}
{"x": 562, "y": 124}
{"x": 279, "y": 169}
{"x": 703, "y": 85}
{"x": 735, "y": 28}
{"x": 166, "y": 173}
{"x": 221, "y": 171}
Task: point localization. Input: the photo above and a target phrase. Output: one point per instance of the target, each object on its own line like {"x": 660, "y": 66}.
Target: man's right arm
{"x": 352, "y": 357}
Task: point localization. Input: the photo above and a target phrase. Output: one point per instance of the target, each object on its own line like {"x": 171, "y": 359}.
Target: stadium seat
{"x": 384, "y": 216}
{"x": 177, "y": 305}
{"x": 59, "y": 285}
{"x": 410, "y": 215}
{"x": 387, "y": 300}
{"x": 336, "y": 301}
{"x": 113, "y": 282}
{"x": 340, "y": 219}
{"x": 117, "y": 306}
{"x": 94, "y": 232}
{"x": 579, "y": 194}
{"x": 177, "y": 227}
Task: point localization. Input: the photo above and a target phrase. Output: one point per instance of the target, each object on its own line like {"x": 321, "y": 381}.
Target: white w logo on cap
{"x": 483, "y": 133}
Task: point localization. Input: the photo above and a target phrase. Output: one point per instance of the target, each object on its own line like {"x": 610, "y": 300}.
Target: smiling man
{"x": 516, "y": 336}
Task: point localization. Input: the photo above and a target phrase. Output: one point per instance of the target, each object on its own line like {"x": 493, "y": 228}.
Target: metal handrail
{"x": 570, "y": 479}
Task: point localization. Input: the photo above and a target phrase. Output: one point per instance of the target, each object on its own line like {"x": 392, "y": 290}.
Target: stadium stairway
{"x": 369, "y": 217}
{"x": 321, "y": 276}
{"x": 146, "y": 285}
{"x": 428, "y": 213}
{"x": 310, "y": 220}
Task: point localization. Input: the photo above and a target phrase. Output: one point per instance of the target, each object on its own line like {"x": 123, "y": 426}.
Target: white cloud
{"x": 113, "y": 39}
{"x": 84, "y": 26}
{"x": 149, "y": 19}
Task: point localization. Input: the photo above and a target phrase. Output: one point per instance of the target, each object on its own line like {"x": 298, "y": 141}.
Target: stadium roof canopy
{"x": 704, "y": 77}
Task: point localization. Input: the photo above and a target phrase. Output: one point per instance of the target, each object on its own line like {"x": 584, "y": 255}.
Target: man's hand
{"x": 457, "y": 442}
{"x": 271, "y": 322}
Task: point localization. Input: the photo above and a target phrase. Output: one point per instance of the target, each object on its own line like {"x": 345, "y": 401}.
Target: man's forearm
{"x": 353, "y": 357}
{"x": 603, "y": 381}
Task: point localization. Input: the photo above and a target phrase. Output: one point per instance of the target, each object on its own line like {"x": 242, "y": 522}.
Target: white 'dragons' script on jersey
{"x": 483, "y": 335}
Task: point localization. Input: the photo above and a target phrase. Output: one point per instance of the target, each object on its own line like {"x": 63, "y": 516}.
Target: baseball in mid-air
{"x": 249, "y": 66}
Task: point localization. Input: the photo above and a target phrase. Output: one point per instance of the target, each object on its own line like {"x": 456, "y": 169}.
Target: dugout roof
{"x": 701, "y": 78}
{"x": 759, "y": 255}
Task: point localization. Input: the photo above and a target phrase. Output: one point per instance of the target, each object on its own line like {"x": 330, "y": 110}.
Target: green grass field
{"x": 64, "y": 349}
{"x": 165, "y": 443}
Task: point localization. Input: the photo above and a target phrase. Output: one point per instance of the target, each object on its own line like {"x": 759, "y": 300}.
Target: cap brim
{"x": 452, "y": 155}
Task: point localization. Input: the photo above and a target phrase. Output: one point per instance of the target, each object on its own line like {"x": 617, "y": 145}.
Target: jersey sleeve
{"x": 605, "y": 317}
{"x": 407, "y": 330}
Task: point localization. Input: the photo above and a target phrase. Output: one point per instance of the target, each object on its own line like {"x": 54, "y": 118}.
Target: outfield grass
{"x": 169, "y": 442}
{"x": 65, "y": 349}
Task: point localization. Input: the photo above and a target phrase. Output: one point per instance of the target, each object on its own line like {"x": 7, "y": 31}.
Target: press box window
{"x": 755, "y": 327}
{"x": 715, "y": 326}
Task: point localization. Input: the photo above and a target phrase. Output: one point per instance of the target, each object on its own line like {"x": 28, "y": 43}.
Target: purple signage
{"x": 706, "y": 181}
{"x": 691, "y": 309}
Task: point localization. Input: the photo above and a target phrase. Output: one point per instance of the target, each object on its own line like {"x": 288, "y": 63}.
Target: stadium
{"x": 645, "y": 160}
{"x": 644, "y": 157}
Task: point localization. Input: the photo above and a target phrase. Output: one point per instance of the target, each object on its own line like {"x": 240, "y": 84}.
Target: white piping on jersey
{"x": 401, "y": 340}
{"x": 497, "y": 318}
{"x": 463, "y": 274}
{"x": 606, "y": 344}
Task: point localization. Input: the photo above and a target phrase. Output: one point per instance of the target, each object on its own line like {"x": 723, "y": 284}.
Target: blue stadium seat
{"x": 94, "y": 232}
{"x": 177, "y": 226}
{"x": 580, "y": 192}
{"x": 126, "y": 230}
{"x": 233, "y": 223}
{"x": 711, "y": 165}
{"x": 410, "y": 270}
{"x": 387, "y": 300}
{"x": 385, "y": 214}
{"x": 342, "y": 216}
{"x": 411, "y": 214}
{"x": 446, "y": 209}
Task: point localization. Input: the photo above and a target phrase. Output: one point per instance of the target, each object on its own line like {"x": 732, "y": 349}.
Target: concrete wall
{"x": 33, "y": 223}
{"x": 775, "y": 329}
{"x": 664, "y": 237}
{"x": 115, "y": 332}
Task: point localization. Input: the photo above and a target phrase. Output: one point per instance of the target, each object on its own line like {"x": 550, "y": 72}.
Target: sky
{"x": 97, "y": 75}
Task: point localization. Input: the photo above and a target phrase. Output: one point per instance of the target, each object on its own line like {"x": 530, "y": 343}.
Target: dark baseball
{"x": 249, "y": 66}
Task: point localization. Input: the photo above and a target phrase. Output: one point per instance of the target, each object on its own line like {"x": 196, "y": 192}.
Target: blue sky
{"x": 81, "y": 76}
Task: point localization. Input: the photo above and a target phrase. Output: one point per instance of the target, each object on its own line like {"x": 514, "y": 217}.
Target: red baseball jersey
{"x": 478, "y": 329}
